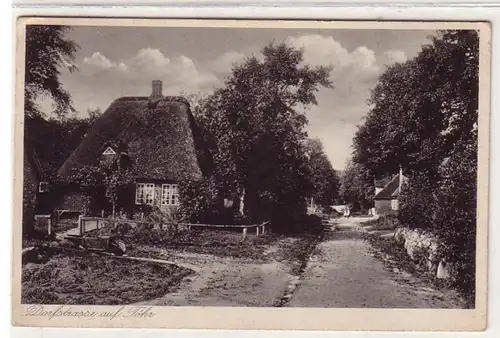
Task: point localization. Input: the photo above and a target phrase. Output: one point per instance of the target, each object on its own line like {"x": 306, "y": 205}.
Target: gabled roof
{"x": 160, "y": 137}
{"x": 380, "y": 183}
{"x": 391, "y": 189}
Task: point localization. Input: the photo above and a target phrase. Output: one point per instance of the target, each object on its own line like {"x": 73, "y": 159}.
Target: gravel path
{"x": 344, "y": 273}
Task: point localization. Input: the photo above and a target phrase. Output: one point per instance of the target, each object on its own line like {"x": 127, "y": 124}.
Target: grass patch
{"x": 214, "y": 242}
{"x": 97, "y": 280}
{"x": 382, "y": 223}
{"x": 65, "y": 225}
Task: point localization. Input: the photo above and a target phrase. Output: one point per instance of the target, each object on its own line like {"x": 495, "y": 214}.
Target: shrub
{"x": 455, "y": 217}
{"x": 199, "y": 201}
{"x": 417, "y": 202}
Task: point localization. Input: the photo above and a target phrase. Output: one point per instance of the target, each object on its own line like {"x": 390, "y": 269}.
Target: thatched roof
{"x": 159, "y": 136}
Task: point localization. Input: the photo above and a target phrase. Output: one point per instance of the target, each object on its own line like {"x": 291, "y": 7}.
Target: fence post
{"x": 263, "y": 229}
{"x": 244, "y": 233}
{"x": 80, "y": 225}
{"x": 257, "y": 231}
{"x": 102, "y": 213}
{"x": 49, "y": 230}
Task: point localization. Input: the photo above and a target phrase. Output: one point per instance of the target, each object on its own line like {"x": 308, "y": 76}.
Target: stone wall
{"x": 427, "y": 251}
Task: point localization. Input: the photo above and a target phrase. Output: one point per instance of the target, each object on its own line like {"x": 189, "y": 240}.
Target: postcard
{"x": 237, "y": 174}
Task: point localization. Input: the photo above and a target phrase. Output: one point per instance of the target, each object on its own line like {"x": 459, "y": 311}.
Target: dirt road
{"x": 344, "y": 273}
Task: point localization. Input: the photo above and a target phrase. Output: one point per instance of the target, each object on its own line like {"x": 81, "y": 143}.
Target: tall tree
{"x": 324, "y": 179}
{"x": 256, "y": 122}
{"x": 421, "y": 108}
{"x": 47, "y": 52}
{"x": 356, "y": 186}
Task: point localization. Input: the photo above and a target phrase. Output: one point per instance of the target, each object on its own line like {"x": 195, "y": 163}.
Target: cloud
{"x": 323, "y": 50}
{"x": 178, "y": 74}
{"x": 101, "y": 62}
{"x": 333, "y": 120}
{"x": 396, "y": 56}
{"x": 226, "y": 61}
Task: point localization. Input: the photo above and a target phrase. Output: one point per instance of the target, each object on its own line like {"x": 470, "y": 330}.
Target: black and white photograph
{"x": 246, "y": 166}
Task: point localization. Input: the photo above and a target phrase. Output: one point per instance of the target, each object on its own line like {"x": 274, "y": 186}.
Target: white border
{"x": 430, "y": 13}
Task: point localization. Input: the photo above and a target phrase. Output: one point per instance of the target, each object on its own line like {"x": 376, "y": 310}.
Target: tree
{"x": 324, "y": 179}
{"x": 256, "y": 127}
{"x": 424, "y": 117}
{"x": 47, "y": 52}
{"x": 55, "y": 139}
{"x": 111, "y": 179}
{"x": 356, "y": 187}
{"x": 421, "y": 108}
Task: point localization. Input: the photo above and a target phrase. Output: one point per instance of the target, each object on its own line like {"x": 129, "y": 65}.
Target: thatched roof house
{"x": 158, "y": 139}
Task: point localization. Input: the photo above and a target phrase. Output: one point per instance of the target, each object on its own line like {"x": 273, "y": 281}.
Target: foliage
{"x": 198, "y": 201}
{"x": 55, "y": 139}
{"x": 111, "y": 179}
{"x": 455, "y": 214}
{"x": 324, "y": 179}
{"x": 47, "y": 52}
{"x": 356, "y": 187}
{"x": 417, "y": 202}
{"x": 255, "y": 126}
{"x": 421, "y": 108}
{"x": 423, "y": 116}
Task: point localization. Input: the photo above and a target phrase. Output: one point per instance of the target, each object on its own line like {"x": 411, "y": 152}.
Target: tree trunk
{"x": 242, "y": 203}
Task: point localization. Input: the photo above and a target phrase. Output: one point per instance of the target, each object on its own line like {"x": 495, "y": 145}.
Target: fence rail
{"x": 260, "y": 229}
{"x": 87, "y": 224}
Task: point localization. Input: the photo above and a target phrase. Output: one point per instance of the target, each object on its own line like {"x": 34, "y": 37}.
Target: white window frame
{"x": 141, "y": 193}
{"x": 395, "y": 204}
{"x": 43, "y": 186}
{"x": 169, "y": 194}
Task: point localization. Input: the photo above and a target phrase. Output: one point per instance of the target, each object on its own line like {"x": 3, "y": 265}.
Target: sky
{"x": 122, "y": 61}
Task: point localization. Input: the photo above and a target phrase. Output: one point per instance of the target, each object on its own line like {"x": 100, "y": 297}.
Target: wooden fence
{"x": 260, "y": 229}
{"x": 87, "y": 224}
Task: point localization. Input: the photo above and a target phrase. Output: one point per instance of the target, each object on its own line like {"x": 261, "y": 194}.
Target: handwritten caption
{"x": 133, "y": 312}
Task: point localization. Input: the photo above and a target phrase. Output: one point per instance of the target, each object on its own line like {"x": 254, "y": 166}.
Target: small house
{"x": 386, "y": 199}
{"x": 154, "y": 137}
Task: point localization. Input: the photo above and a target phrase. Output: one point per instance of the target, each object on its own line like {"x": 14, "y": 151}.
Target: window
{"x": 145, "y": 193}
{"x": 169, "y": 194}
{"x": 394, "y": 204}
{"x": 43, "y": 187}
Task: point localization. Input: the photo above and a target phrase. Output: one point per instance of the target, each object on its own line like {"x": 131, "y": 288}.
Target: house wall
{"x": 386, "y": 206}
{"x": 74, "y": 201}
{"x": 167, "y": 210}
{"x": 30, "y": 189}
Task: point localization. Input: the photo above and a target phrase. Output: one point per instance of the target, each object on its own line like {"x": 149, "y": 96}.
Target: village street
{"x": 345, "y": 272}
{"x": 342, "y": 271}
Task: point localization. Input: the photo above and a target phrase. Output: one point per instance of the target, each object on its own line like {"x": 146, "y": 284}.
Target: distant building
{"x": 155, "y": 138}
{"x": 387, "y": 192}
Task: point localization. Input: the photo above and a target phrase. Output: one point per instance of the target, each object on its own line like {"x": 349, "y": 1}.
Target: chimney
{"x": 157, "y": 90}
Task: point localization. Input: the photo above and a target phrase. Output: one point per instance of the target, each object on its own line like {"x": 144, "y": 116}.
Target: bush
{"x": 199, "y": 202}
{"x": 455, "y": 216}
{"x": 417, "y": 202}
